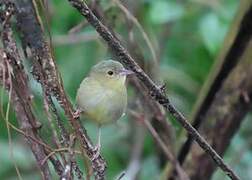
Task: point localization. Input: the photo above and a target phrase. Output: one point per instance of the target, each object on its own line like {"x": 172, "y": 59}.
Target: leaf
{"x": 21, "y": 156}
{"x": 149, "y": 168}
{"x": 165, "y": 11}
{"x": 212, "y": 30}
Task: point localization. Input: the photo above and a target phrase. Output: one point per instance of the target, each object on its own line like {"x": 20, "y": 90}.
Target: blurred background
{"x": 184, "y": 40}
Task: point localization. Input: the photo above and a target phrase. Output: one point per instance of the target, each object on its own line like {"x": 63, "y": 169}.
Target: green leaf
{"x": 164, "y": 11}
{"x": 149, "y": 168}
{"x": 22, "y": 157}
{"x": 212, "y": 30}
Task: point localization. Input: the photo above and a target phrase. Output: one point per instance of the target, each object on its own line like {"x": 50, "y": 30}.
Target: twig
{"x": 235, "y": 97}
{"x": 157, "y": 115}
{"x": 31, "y": 137}
{"x": 72, "y": 159}
{"x": 134, "y": 164}
{"x": 144, "y": 34}
{"x": 55, "y": 138}
{"x": 70, "y": 39}
{"x": 54, "y": 152}
{"x": 46, "y": 72}
{"x": 154, "y": 90}
{"x": 121, "y": 176}
{"x": 56, "y": 163}
{"x": 64, "y": 134}
{"x": 6, "y": 119}
{"x": 78, "y": 27}
{"x": 182, "y": 174}
{"x": 21, "y": 94}
{"x": 234, "y": 46}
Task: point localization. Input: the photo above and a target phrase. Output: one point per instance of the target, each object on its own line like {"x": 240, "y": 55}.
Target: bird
{"x": 102, "y": 95}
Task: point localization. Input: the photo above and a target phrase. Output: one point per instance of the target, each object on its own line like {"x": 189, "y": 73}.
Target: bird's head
{"x": 110, "y": 72}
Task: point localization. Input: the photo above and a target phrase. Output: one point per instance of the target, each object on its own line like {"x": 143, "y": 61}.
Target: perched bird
{"x": 102, "y": 96}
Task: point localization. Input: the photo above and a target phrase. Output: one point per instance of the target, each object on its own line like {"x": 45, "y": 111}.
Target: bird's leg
{"x": 97, "y": 148}
{"x": 99, "y": 139}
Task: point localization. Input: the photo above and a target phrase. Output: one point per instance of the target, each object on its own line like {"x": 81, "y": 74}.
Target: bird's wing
{"x": 89, "y": 94}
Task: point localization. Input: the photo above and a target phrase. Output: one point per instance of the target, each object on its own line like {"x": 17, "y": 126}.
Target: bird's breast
{"x": 102, "y": 105}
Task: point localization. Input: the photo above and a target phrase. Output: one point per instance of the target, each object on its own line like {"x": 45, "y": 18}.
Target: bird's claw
{"x": 76, "y": 114}
{"x": 163, "y": 88}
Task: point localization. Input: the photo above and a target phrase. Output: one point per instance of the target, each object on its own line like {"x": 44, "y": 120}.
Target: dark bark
{"x": 232, "y": 54}
{"x": 154, "y": 90}
{"x": 16, "y": 82}
{"x": 226, "y": 113}
{"x": 45, "y": 72}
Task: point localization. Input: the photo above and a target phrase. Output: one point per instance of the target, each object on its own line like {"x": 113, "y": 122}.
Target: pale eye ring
{"x": 110, "y": 73}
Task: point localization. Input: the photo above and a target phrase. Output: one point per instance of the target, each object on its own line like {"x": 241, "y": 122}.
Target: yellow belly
{"x": 101, "y": 105}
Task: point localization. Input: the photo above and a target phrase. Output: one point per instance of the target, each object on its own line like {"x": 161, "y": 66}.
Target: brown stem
{"x": 45, "y": 71}
{"x": 16, "y": 80}
{"x": 225, "y": 115}
{"x": 153, "y": 89}
{"x": 224, "y": 65}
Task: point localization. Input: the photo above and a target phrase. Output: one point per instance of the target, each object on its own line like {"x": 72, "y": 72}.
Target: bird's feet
{"x": 76, "y": 114}
{"x": 162, "y": 88}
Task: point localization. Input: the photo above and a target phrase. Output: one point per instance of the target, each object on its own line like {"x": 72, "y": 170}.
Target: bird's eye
{"x": 110, "y": 73}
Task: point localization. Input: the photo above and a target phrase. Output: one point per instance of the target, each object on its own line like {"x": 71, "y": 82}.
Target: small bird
{"x": 102, "y": 96}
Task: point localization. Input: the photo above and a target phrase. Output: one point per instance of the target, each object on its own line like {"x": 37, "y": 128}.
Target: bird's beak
{"x": 125, "y": 72}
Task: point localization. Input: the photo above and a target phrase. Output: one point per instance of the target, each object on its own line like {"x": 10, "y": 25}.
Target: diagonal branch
{"x": 225, "y": 115}
{"x": 46, "y": 73}
{"x": 14, "y": 79}
{"x": 236, "y": 42}
{"x": 153, "y": 89}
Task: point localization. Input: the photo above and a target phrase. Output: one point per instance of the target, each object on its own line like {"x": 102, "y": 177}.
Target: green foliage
{"x": 165, "y": 11}
{"x": 187, "y": 37}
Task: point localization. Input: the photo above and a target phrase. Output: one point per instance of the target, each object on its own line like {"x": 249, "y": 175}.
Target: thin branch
{"x": 134, "y": 165}
{"x": 48, "y": 148}
{"x": 154, "y": 90}
{"x": 20, "y": 97}
{"x": 138, "y": 25}
{"x": 224, "y": 117}
{"x": 45, "y": 71}
{"x": 157, "y": 115}
{"x": 56, "y": 163}
{"x": 182, "y": 174}
{"x": 60, "y": 40}
{"x": 55, "y": 138}
{"x": 6, "y": 119}
{"x": 78, "y": 27}
{"x": 235, "y": 44}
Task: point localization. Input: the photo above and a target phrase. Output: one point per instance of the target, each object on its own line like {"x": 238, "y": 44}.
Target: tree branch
{"x": 16, "y": 83}
{"x": 223, "y": 118}
{"x": 239, "y": 36}
{"x": 46, "y": 73}
{"x": 154, "y": 90}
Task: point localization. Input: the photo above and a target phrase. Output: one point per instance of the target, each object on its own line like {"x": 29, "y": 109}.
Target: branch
{"x": 227, "y": 112}
{"x": 154, "y": 90}
{"x": 46, "y": 73}
{"x": 181, "y": 172}
{"x": 233, "y": 48}
{"x": 15, "y": 80}
{"x": 70, "y": 39}
{"x": 158, "y": 117}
